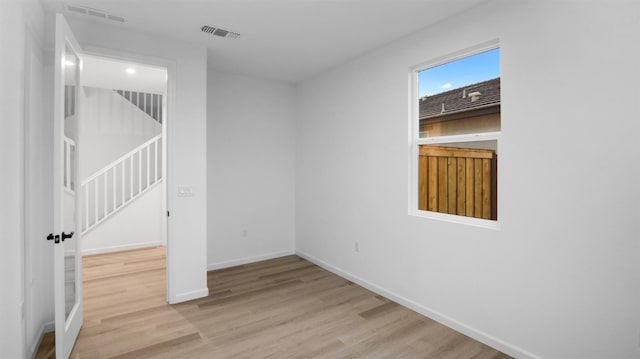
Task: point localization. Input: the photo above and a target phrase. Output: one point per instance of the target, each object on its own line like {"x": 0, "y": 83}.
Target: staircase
{"x": 121, "y": 182}
{"x": 150, "y": 103}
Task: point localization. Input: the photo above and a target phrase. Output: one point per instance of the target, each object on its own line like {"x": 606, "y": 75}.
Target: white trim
{"x": 247, "y": 260}
{"x": 457, "y": 55}
{"x": 168, "y": 118}
{"x": 414, "y": 141}
{"x": 44, "y": 329}
{"x": 452, "y": 218}
{"x": 179, "y": 298}
{"x": 121, "y": 247}
{"x": 474, "y": 333}
{"x": 27, "y": 222}
{"x": 168, "y": 144}
{"x": 474, "y": 137}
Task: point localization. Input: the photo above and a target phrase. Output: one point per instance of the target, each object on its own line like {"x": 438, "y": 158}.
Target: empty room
{"x": 330, "y": 179}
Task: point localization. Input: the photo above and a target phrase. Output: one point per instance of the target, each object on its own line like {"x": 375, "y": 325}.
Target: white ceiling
{"x": 111, "y": 74}
{"x": 286, "y": 40}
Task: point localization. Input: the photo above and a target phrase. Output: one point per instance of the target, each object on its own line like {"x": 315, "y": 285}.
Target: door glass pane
{"x": 70, "y": 112}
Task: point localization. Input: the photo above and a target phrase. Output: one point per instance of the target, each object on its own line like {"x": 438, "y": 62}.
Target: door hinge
{"x": 167, "y": 213}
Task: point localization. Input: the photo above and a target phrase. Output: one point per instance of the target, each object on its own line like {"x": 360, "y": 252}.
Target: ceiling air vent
{"x": 94, "y": 13}
{"x": 219, "y": 32}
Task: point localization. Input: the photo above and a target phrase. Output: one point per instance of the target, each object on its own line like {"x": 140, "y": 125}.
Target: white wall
{"x": 11, "y": 215}
{"x": 137, "y": 225}
{"x": 112, "y": 126}
{"x": 38, "y": 199}
{"x": 250, "y": 164}
{"x": 186, "y": 62}
{"x": 24, "y": 283}
{"x": 561, "y": 278}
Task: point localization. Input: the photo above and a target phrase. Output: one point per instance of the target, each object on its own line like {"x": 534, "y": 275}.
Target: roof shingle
{"x": 458, "y": 100}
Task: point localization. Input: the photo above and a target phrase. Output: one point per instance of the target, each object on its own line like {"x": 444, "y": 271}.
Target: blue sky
{"x": 466, "y": 71}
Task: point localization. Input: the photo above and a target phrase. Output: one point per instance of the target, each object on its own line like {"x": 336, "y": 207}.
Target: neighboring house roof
{"x": 481, "y": 94}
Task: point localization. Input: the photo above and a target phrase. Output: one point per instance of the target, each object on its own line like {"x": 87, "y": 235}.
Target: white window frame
{"x": 415, "y": 141}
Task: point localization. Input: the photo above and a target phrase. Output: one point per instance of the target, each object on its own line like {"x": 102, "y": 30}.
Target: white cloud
{"x": 447, "y": 85}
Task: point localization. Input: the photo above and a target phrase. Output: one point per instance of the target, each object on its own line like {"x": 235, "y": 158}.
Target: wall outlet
{"x": 245, "y": 233}
{"x": 356, "y": 247}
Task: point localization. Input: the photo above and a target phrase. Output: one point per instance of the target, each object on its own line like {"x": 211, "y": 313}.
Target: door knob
{"x": 65, "y": 236}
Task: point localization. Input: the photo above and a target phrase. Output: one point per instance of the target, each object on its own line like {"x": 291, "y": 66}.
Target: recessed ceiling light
{"x": 130, "y": 70}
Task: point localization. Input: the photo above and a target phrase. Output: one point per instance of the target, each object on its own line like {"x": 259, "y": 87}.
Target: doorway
{"x": 123, "y": 158}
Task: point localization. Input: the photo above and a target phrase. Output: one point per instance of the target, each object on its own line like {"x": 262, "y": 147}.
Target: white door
{"x": 67, "y": 255}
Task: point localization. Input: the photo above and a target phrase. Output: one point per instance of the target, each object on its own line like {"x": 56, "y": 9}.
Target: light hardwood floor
{"x": 280, "y": 308}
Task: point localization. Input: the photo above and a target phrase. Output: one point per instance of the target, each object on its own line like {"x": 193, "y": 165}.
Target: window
{"x": 455, "y": 134}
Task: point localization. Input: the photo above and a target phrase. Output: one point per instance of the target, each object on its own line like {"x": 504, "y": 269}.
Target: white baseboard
{"x": 183, "y": 297}
{"x": 246, "y": 260}
{"x": 45, "y": 328}
{"x": 123, "y": 247}
{"x": 480, "y": 336}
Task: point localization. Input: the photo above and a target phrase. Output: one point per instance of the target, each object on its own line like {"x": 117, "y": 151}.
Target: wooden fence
{"x": 458, "y": 181}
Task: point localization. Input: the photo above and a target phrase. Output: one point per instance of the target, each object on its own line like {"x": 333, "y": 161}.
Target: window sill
{"x": 468, "y": 221}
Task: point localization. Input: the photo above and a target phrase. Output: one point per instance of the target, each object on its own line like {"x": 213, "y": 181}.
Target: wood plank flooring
{"x": 280, "y": 308}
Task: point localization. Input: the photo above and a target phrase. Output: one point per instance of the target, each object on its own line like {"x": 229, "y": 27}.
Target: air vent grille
{"x": 215, "y": 31}
{"x": 95, "y": 13}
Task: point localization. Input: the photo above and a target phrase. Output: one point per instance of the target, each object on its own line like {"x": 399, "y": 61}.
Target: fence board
{"x": 477, "y": 187}
{"x": 442, "y": 185}
{"x": 451, "y": 185}
{"x": 486, "y": 188}
{"x": 422, "y": 183}
{"x": 432, "y": 176}
{"x": 469, "y": 187}
{"x": 461, "y": 186}
{"x": 458, "y": 181}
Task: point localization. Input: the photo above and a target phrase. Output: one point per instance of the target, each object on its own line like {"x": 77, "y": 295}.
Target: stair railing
{"x": 119, "y": 183}
{"x": 149, "y": 103}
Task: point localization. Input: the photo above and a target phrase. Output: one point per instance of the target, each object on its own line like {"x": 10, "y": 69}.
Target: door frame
{"x": 167, "y": 140}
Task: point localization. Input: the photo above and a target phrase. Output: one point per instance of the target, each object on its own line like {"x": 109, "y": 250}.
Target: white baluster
{"x": 155, "y": 161}
{"x": 95, "y": 199}
{"x": 131, "y": 175}
{"x": 140, "y": 171}
{"x": 148, "y": 164}
{"x": 115, "y": 188}
{"x": 86, "y": 206}
{"x": 106, "y": 201}
{"x": 123, "y": 180}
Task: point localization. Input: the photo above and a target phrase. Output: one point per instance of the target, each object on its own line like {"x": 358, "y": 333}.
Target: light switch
{"x": 185, "y": 191}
